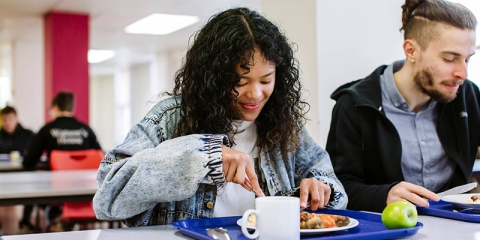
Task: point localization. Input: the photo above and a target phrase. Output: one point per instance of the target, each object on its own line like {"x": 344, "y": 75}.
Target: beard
{"x": 425, "y": 82}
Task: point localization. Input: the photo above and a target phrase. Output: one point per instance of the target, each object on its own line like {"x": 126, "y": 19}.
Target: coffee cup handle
{"x": 245, "y": 224}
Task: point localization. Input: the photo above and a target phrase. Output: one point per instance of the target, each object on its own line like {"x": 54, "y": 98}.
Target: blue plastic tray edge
{"x": 434, "y": 210}
{"x": 388, "y": 234}
{"x": 396, "y": 233}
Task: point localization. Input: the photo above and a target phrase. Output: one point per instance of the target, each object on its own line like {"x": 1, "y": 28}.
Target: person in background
{"x": 235, "y": 122}
{"x": 64, "y": 132}
{"x": 411, "y": 128}
{"x": 13, "y": 137}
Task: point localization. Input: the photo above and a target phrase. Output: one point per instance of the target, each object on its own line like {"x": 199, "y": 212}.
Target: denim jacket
{"x": 153, "y": 178}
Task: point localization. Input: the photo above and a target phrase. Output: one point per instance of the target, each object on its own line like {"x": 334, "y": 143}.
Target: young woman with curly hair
{"x": 234, "y": 122}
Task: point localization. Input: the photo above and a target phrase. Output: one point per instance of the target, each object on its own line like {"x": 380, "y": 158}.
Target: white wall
{"x": 474, "y": 64}
{"x": 6, "y": 50}
{"x": 148, "y": 81}
{"x": 121, "y": 104}
{"x": 175, "y": 58}
{"x": 140, "y": 93}
{"x": 101, "y": 110}
{"x": 166, "y": 65}
{"x": 125, "y": 96}
{"x": 297, "y": 19}
{"x": 28, "y": 76}
{"x": 354, "y": 37}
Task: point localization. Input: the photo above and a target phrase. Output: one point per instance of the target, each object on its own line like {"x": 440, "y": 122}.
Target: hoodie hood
{"x": 363, "y": 91}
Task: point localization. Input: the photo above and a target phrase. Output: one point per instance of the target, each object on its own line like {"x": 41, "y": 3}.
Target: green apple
{"x": 400, "y": 214}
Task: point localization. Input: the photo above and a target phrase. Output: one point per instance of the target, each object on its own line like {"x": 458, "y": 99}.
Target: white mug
{"x": 276, "y": 218}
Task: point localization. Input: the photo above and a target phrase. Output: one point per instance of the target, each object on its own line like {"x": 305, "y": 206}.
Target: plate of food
{"x": 470, "y": 200}
{"x": 315, "y": 223}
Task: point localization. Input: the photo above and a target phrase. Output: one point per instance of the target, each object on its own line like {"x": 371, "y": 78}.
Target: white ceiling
{"x": 108, "y": 18}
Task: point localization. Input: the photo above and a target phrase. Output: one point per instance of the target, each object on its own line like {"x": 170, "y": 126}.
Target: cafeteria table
{"x": 40, "y": 187}
{"x": 10, "y": 166}
{"x": 434, "y": 228}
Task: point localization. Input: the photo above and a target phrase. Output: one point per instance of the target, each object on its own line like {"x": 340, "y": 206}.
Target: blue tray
{"x": 445, "y": 210}
{"x": 370, "y": 227}
{"x": 5, "y": 157}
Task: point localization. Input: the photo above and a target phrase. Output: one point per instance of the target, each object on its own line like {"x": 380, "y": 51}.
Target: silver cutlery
{"x": 218, "y": 233}
{"x": 466, "y": 210}
{"x": 248, "y": 185}
{"x": 457, "y": 190}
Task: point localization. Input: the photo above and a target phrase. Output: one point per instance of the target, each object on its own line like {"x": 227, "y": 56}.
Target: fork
{"x": 308, "y": 205}
{"x": 248, "y": 185}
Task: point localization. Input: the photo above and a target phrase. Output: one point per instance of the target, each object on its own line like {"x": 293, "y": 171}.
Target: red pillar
{"x": 66, "y": 64}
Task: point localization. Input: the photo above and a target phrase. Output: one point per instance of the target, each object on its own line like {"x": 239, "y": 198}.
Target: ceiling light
{"x": 161, "y": 24}
{"x": 96, "y": 56}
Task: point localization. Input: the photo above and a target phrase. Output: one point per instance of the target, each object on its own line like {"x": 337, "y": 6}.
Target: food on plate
{"x": 313, "y": 220}
{"x": 316, "y": 221}
{"x": 474, "y": 198}
{"x": 400, "y": 214}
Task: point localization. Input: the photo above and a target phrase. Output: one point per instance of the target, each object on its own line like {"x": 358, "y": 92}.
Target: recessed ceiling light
{"x": 96, "y": 56}
{"x": 161, "y": 24}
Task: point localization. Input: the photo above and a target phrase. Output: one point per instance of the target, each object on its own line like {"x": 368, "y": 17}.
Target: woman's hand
{"x": 316, "y": 192}
{"x": 237, "y": 166}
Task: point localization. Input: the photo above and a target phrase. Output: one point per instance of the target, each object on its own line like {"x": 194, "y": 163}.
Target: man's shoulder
{"x": 470, "y": 85}
{"x": 363, "y": 91}
{"x": 467, "y": 92}
{"x": 28, "y": 132}
{"x": 25, "y": 131}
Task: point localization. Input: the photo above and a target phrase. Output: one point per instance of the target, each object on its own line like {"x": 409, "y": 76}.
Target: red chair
{"x": 78, "y": 212}
{"x": 75, "y": 160}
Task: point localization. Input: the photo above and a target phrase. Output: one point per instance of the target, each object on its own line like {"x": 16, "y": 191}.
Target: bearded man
{"x": 412, "y": 128}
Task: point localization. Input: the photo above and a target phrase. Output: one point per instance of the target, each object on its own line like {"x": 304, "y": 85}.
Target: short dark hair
{"x": 420, "y": 18}
{"x": 65, "y": 101}
{"x": 8, "y": 110}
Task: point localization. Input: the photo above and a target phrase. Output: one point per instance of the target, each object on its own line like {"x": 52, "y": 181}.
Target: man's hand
{"x": 412, "y": 193}
{"x": 316, "y": 191}
{"x": 237, "y": 166}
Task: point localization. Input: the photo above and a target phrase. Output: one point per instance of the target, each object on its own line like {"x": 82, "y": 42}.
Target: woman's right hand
{"x": 237, "y": 166}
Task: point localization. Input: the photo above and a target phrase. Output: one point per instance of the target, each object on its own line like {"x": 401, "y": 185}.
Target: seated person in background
{"x": 236, "y": 117}
{"x": 63, "y": 133}
{"x": 412, "y": 128}
{"x": 13, "y": 137}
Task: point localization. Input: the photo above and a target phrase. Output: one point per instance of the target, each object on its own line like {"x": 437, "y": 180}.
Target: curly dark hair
{"x": 207, "y": 79}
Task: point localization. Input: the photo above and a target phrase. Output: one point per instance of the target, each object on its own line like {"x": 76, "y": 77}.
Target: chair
{"x": 78, "y": 212}
{"x": 75, "y": 160}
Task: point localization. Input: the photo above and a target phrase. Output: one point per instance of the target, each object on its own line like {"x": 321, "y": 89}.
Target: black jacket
{"x": 64, "y": 133}
{"x": 18, "y": 141}
{"x": 366, "y": 150}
